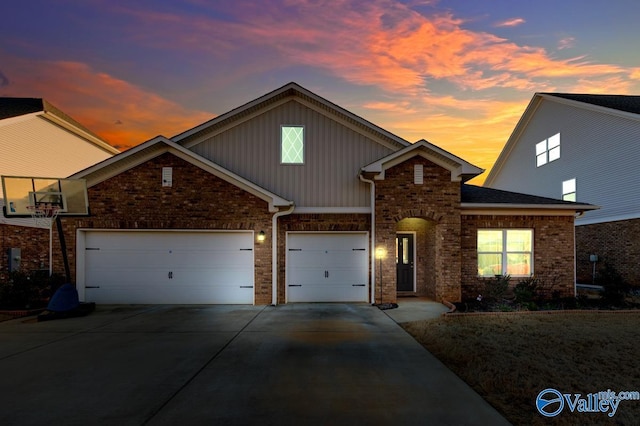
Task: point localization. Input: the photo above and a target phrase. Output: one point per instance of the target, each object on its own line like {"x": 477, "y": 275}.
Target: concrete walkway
{"x": 295, "y": 364}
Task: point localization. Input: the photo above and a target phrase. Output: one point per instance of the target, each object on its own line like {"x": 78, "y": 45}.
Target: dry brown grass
{"x": 509, "y": 359}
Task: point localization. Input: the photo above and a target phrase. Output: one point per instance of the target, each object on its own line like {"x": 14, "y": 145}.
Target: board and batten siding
{"x": 32, "y": 146}
{"x": 600, "y": 150}
{"x": 333, "y": 155}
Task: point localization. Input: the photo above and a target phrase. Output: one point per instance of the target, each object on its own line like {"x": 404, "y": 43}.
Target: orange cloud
{"x": 119, "y": 112}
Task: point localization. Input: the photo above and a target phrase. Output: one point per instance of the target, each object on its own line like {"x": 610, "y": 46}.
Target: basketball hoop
{"x": 44, "y": 214}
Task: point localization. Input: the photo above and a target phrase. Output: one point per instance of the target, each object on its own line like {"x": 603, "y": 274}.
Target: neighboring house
{"x": 291, "y": 198}
{"x": 37, "y": 139}
{"x": 586, "y": 148}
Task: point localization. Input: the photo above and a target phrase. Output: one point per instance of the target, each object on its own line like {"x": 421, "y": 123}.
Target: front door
{"x": 404, "y": 262}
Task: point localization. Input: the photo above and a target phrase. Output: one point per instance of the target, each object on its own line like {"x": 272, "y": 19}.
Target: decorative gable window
{"x": 292, "y": 145}
{"x": 569, "y": 190}
{"x": 548, "y": 150}
{"x": 505, "y": 252}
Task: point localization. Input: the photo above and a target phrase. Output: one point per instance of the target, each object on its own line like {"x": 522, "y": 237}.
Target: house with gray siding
{"x": 584, "y": 148}
{"x": 292, "y": 198}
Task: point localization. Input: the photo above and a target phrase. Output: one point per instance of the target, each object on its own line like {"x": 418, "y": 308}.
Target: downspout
{"x": 274, "y": 253}
{"x": 372, "y": 249}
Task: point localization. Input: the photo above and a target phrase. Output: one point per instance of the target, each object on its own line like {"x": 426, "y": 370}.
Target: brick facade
{"x": 445, "y": 257}
{"x": 553, "y": 251}
{"x": 136, "y": 199}
{"x": 437, "y": 202}
{"x": 615, "y": 243}
{"x": 34, "y": 246}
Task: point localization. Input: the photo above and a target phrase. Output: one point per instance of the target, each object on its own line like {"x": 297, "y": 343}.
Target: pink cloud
{"x": 513, "y": 22}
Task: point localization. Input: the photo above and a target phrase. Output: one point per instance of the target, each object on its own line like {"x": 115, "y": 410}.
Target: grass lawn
{"x": 510, "y": 359}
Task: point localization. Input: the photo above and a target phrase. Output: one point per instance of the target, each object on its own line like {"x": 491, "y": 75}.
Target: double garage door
{"x": 327, "y": 267}
{"x": 178, "y": 267}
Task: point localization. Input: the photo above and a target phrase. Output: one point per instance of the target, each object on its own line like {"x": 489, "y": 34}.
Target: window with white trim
{"x": 548, "y": 150}
{"x": 292, "y": 145}
{"x": 505, "y": 252}
{"x": 569, "y": 190}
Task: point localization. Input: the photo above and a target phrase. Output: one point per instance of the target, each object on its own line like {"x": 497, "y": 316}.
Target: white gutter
{"x": 372, "y": 249}
{"x": 274, "y": 253}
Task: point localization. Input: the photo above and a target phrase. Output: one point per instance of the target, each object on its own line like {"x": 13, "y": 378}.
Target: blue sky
{"x": 455, "y": 72}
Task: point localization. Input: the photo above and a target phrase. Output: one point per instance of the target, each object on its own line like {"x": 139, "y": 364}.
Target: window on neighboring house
{"x": 548, "y": 150}
{"x": 505, "y": 252}
{"x": 292, "y": 145}
{"x": 569, "y": 190}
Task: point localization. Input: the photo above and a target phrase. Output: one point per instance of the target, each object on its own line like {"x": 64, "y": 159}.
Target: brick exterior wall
{"x": 34, "y": 246}
{"x": 136, "y": 199}
{"x": 616, "y": 243}
{"x": 446, "y": 260}
{"x": 436, "y": 201}
{"x": 553, "y": 251}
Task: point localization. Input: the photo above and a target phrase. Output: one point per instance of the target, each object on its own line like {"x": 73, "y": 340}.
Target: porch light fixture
{"x": 261, "y": 237}
{"x": 381, "y": 253}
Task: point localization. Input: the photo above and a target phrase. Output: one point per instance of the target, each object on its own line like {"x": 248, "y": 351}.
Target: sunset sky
{"x": 458, "y": 73}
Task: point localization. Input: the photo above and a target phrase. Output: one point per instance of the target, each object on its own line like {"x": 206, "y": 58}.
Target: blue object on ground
{"x": 64, "y": 299}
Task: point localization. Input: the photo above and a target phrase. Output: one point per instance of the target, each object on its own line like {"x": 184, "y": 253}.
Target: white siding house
{"x": 584, "y": 148}
{"x": 37, "y": 139}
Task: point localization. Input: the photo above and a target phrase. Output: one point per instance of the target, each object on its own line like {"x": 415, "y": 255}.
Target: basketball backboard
{"x": 22, "y": 194}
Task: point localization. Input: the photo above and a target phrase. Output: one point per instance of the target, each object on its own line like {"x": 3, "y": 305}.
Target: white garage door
{"x": 168, "y": 267}
{"x": 327, "y": 267}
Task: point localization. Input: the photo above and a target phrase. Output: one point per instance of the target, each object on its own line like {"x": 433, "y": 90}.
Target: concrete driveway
{"x": 326, "y": 364}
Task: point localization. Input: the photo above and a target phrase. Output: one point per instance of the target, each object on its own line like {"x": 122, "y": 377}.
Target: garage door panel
{"x": 169, "y": 267}
{"x": 326, "y": 293}
{"x": 327, "y": 267}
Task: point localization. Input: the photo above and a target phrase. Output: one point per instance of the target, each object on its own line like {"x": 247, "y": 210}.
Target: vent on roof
{"x": 418, "y": 174}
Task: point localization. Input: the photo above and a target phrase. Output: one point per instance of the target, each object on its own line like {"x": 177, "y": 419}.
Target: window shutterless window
{"x": 292, "y": 144}
{"x": 505, "y": 252}
{"x": 548, "y": 150}
{"x": 569, "y": 190}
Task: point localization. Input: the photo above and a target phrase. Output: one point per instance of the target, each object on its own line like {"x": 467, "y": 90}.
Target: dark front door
{"x": 404, "y": 262}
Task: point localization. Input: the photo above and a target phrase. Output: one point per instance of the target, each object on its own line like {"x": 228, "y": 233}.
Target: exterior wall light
{"x": 261, "y": 237}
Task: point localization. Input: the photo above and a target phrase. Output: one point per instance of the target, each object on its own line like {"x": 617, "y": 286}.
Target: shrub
{"x": 24, "y": 290}
{"x": 526, "y": 290}
{"x": 615, "y": 288}
{"x": 496, "y": 288}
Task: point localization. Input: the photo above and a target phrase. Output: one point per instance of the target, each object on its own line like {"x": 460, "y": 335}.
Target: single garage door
{"x": 168, "y": 267}
{"x": 327, "y": 267}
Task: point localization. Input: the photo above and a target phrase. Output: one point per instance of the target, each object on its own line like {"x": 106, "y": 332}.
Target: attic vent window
{"x": 167, "y": 176}
{"x": 548, "y": 150}
{"x": 292, "y": 145}
{"x": 418, "y": 174}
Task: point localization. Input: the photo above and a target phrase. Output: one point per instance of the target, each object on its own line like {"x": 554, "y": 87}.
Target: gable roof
{"x": 619, "y": 105}
{"x": 624, "y": 103}
{"x": 460, "y": 169}
{"x": 282, "y": 95}
{"x": 17, "y": 107}
{"x": 159, "y": 145}
{"x": 476, "y": 196}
